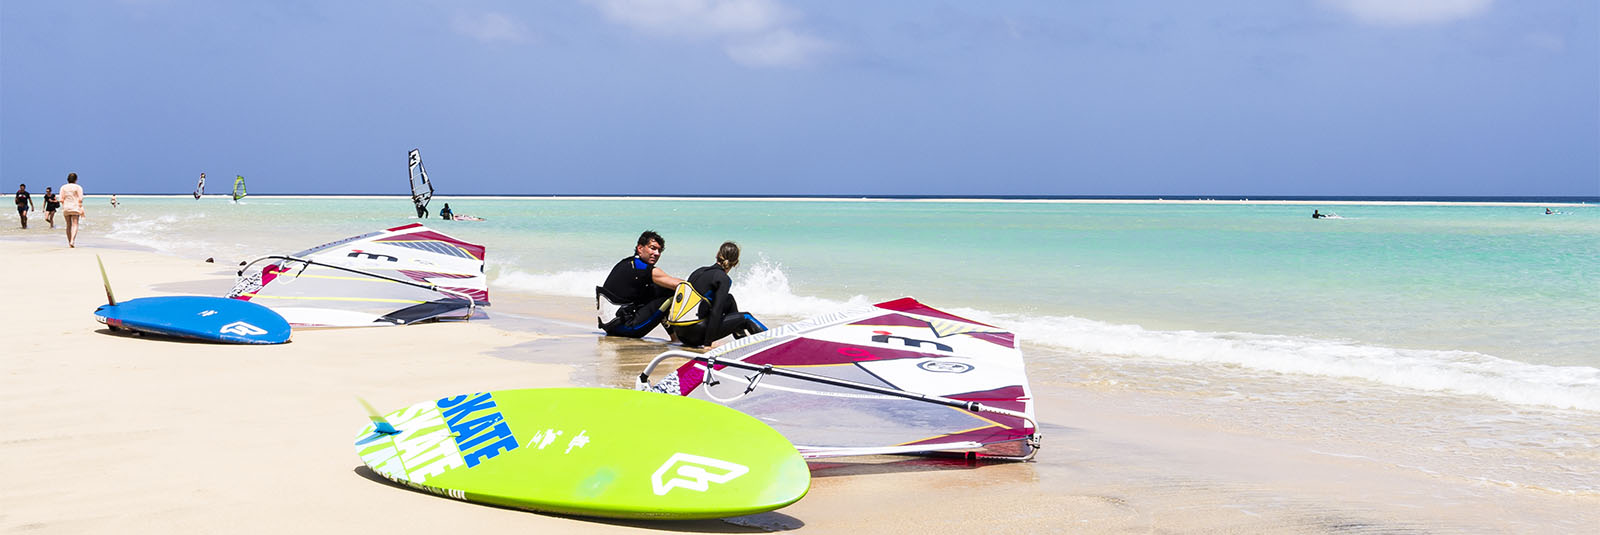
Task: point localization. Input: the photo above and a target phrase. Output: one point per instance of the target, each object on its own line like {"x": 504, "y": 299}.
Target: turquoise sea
{"x": 1473, "y": 327}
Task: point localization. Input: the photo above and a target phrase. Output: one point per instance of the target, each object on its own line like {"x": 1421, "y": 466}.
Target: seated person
{"x": 718, "y": 313}
{"x": 629, "y": 303}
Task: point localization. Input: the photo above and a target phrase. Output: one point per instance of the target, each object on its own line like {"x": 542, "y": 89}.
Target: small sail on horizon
{"x": 238, "y": 187}
{"x": 200, "y": 188}
{"x": 421, "y": 188}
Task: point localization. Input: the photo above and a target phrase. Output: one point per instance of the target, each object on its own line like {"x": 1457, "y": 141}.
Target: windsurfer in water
{"x": 719, "y": 314}
{"x": 637, "y": 288}
{"x": 1316, "y": 214}
{"x": 446, "y": 213}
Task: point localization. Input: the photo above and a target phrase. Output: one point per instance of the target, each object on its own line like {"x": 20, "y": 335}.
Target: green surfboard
{"x": 588, "y": 451}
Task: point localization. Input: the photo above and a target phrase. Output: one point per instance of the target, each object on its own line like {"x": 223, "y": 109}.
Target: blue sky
{"x": 1131, "y": 97}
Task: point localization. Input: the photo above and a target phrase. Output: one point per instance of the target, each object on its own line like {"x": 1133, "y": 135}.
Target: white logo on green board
{"x": 693, "y": 472}
{"x": 543, "y": 438}
{"x": 242, "y": 329}
{"x": 578, "y": 441}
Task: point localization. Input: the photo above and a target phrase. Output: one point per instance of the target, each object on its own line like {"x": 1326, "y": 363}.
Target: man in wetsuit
{"x": 719, "y": 313}
{"x": 637, "y": 288}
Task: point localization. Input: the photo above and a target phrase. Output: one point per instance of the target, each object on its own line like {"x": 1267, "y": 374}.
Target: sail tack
{"x": 898, "y": 377}
{"x": 395, "y": 276}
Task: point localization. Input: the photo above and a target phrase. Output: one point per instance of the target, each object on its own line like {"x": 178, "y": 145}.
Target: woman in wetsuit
{"x": 719, "y": 313}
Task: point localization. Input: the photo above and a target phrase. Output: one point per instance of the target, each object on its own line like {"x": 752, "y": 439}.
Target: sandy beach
{"x": 110, "y": 433}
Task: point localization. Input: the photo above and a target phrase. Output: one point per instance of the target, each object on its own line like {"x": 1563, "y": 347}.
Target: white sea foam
{"x": 170, "y": 233}
{"x": 765, "y": 290}
{"x": 1461, "y": 372}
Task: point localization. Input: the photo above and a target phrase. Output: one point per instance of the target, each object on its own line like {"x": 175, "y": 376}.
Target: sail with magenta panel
{"x": 200, "y": 188}
{"x": 896, "y": 377}
{"x": 421, "y": 188}
{"x": 238, "y": 187}
{"x": 396, "y": 276}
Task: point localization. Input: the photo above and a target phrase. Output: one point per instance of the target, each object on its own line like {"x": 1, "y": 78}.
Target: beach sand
{"x": 110, "y": 433}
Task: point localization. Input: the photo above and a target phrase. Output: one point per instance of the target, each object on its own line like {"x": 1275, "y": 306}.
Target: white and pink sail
{"x": 858, "y": 379}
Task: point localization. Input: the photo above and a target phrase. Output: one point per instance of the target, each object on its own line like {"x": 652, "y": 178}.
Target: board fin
{"x": 382, "y": 425}
{"x": 111, "y": 299}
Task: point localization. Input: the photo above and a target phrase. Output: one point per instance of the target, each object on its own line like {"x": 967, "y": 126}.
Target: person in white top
{"x": 72, "y": 206}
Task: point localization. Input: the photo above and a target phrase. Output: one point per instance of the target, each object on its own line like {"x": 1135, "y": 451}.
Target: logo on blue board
{"x": 480, "y": 431}
{"x": 242, "y": 329}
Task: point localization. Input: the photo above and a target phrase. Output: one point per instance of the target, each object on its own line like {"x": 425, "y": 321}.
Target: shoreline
{"x": 263, "y": 432}
{"x": 872, "y": 199}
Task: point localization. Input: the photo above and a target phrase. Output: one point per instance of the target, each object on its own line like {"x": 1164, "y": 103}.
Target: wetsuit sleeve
{"x": 720, "y": 304}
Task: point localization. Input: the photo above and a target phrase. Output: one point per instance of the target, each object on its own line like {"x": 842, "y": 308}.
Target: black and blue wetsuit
{"x": 719, "y": 313}
{"x": 630, "y": 286}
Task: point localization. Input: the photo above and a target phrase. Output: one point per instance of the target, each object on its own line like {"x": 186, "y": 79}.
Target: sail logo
{"x": 693, "y": 472}
{"x": 480, "y": 430}
{"x": 242, "y": 329}
{"x": 357, "y": 253}
{"x": 938, "y": 366}
{"x": 883, "y": 337}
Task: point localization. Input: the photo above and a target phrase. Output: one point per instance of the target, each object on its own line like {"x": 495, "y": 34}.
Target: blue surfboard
{"x": 214, "y": 319}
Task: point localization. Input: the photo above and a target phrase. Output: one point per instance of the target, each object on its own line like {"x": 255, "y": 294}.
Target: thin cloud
{"x": 1410, "y": 12}
{"x": 756, "y": 33}
{"x": 490, "y": 28}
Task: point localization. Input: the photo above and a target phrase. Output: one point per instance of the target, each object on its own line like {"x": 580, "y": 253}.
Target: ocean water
{"x": 1476, "y": 329}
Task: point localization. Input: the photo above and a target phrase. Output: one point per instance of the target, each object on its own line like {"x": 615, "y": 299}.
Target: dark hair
{"x": 644, "y": 239}
{"x": 72, "y": 178}
{"x": 728, "y": 255}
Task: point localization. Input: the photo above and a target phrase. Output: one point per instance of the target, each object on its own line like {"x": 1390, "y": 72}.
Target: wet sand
{"x": 108, "y": 432}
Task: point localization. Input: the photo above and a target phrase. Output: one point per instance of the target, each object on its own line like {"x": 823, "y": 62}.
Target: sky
{"x": 827, "y": 97}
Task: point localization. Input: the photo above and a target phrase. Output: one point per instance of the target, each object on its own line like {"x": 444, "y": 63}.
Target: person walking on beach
{"x": 51, "y": 204}
{"x": 629, "y": 302}
{"x": 72, "y": 207}
{"x": 719, "y": 312}
{"x": 24, "y": 203}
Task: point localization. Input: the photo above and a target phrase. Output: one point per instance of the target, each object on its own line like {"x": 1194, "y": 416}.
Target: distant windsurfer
{"x": 446, "y": 213}
{"x": 1316, "y": 214}
{"x": 422, "y": 210}
{"x": 635, "y": 289}
{"x": 24, "y": 203}
{"x": 719, "y": 314}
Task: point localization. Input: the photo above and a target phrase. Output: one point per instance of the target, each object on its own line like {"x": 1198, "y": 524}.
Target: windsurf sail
{"x": 396, "y": 276}
{"x": 421, "y": 188}
{"x": 200, "y": 188}
{"x": 238, "y": 187}
{"x": 896, "y": 377}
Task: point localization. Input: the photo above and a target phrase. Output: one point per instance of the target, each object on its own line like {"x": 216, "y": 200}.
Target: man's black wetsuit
{"x": 719, "y": 313}
{"x": 629, "y": 285}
